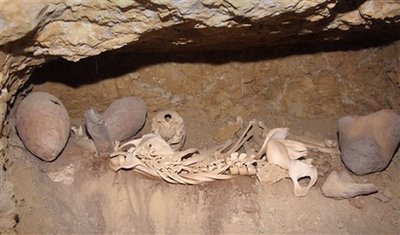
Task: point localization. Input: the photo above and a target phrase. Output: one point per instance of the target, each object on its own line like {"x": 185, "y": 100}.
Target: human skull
{"x": 171, "y": 127}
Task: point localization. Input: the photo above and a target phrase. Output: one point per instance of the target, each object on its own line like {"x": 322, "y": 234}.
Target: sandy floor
{"x": 102, "y": 201}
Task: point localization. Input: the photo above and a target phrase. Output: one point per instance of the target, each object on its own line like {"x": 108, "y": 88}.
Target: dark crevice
{"x": 55, "y": 102}
{"x": 122, "y": 61}
{"x": 348, "y": 5}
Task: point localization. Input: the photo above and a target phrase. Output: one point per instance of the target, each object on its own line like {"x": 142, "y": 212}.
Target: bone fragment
{"x": 65, "y": 175}
{"x": 328, "y": 146}
{"x": 246, "y": 135}
{"x": 295, "y": 149}
{"x": 277, "y": 154}
{"x": 276, "y": 133}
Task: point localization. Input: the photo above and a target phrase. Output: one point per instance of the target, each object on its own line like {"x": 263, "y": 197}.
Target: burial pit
{"x": 298, "y": 64}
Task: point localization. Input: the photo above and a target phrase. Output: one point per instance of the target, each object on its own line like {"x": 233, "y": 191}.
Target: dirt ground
{"x": 101, "y": 201}
{"x": 305, "y": 92}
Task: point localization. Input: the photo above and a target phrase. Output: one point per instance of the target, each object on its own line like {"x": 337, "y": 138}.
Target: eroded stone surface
{"x": 303, "y": 86}
{"x": 74, "y": 29}
{"x": 8, "y": 208}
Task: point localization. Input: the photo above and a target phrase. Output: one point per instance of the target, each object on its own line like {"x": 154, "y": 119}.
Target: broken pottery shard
{"x": 271, "y": 173}
{"x": 96, "y": 126}
{"x": 43, "y": 125}
{"x": 283, "y": 154}
{"x": 368, "y": 142}
{"x": 125, "y": 117}
{"x": 341, "y": 186}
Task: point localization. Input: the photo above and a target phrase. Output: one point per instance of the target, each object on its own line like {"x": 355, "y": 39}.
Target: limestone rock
{"x": 58, "y": 28}
{"x": 342, "y": 186}
{"x": 8, "y": 205}
{"x": 368, "y": 143}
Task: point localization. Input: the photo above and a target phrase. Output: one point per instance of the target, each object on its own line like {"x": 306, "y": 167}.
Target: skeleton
{"x": 152, "y": 155}
{"x": 155, "y": 155}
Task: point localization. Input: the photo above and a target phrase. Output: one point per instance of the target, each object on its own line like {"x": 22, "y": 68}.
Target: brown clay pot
{"x": 121, "y": 120}
{"x": 43, "y": 124}
{"x": 125, "y": 117}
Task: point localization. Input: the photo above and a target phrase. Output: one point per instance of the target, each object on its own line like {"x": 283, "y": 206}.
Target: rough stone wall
{"x": 32, "y": 32}
{"x": 219, "y": 87}
{"x": 77, "y": 29}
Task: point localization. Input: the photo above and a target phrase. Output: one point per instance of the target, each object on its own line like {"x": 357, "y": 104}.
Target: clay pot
{"x": 368, "y": 143}
{"x": 43, "y": 125}
{"x": 122, "y": 119}
{"x": 125, "y": 117}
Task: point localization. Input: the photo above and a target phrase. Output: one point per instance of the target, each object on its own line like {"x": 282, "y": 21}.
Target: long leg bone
{"x": 315, "y": 144}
